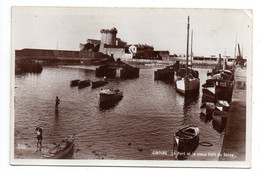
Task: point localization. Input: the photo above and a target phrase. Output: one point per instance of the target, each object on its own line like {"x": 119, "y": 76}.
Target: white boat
{"x": 110, "y": 95}
{"x": 188, "y": 84}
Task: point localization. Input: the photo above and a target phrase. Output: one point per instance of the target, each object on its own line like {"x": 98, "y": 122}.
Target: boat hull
{"x": 74, "y": 83}
{"x": 106, "y": 98}
{"x": 83, "y": 84}
{"x": 60, "y": 151}
{"x": 187, "y": 142}
{"x": 220, "y": 117}
{"x": 96, "y": 84}
{"x": 188, "y": 86}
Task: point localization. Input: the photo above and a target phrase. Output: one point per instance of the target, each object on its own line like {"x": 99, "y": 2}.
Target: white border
{"x": 5, "y": 14}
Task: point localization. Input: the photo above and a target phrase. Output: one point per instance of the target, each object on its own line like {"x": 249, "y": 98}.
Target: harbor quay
{"x": 234, "y": 141}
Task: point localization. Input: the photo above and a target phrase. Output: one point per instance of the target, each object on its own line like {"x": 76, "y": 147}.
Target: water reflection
{"x": 189, "y": 98}
{"x": 205, "y": 118}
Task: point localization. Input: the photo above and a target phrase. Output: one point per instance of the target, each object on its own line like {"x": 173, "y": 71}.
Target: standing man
{"x": 39, "y": 137}
{"x": 57, "y": 103}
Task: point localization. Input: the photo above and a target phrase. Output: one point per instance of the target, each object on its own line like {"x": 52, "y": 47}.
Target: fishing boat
{"x": 215, "y": 89}
{"x": 61, "y": 150}
{"x": 110, "y": 95}
{"x": 188, "y": 84}
{"x": 187, "y": 138}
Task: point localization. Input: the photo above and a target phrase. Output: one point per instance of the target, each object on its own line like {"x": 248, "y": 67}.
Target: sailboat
{"x": 188, "y": 84}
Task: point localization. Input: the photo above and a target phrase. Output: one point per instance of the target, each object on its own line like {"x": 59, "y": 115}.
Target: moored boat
{"x": 74, "y": 83}
{"x": 84, "y": 83}
{"x": 61, "y": 150}
{"x": 220, "y": 117}
{"x": 187, "y": 138}
{"x": 110, "y": 95}
{"x": 99, "y": 83}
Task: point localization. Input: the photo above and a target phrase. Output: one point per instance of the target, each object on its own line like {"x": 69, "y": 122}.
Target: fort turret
{"x": 108, "y": 37}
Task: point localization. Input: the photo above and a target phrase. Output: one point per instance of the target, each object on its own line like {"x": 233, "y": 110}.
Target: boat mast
{"x": 191, "y": 49}
{"x": 187, "y": 52}
{"x": 235, "y": 55}
{"x": 235, "y": 48}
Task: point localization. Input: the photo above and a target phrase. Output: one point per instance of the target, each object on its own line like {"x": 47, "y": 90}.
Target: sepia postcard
{"x": 158, "y": 87}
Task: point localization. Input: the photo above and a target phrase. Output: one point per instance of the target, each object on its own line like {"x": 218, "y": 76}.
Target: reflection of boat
{"x": 188, "y": 84}
{"x": 99, "y": 83}
{"x": 84, "y": 83}
{"x": 74, "y": 83}
{"x": 110, "y": 95}
{"x": 187, "y": 138}
{"x": 62, "y": 149}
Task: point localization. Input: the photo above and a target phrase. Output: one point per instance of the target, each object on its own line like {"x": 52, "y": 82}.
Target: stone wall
{"x": 43, "y": 53}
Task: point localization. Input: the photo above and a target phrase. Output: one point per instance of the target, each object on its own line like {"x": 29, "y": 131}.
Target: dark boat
{"x": 84, "y": 83}
{"x": 220, "y": 84}
{"x": 187, "y": 138}
{"x": 167, "y": 74}
{"x": 74, "y": 83}
{"x": 219, "y": 120}
{"x": 61, "y": 150}
{"x": 99, "y": 83}
{"x": 110, "y": 95}
{"x": 215, "y": 89}
{"x": 117, "y": 69}
{"x": 220, "y": 117}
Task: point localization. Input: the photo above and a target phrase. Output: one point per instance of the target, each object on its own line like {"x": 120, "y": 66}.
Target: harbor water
{"x": 139, "y": 127}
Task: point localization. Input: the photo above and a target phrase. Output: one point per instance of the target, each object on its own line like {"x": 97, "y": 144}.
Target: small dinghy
{"x": 187, "y": 138}
{"x": 62, "y": 149}
{"x": 110, "y": 95}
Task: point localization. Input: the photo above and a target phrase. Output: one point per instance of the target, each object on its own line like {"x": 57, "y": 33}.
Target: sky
{"x": 215, "y": 31}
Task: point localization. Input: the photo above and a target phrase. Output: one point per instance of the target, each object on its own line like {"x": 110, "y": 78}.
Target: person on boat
{"x": 39, "y": 137}
{"x": 57, "y": 102}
